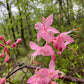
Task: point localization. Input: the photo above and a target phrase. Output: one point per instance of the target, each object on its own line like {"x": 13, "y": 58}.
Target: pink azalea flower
{"x": 5, "y": 46}
{"x": 44, "y": 75}
{"x": 45, "y": 30}
{"x": 61, "y": 41}
{"x": 2, "y": 81}
{"x": 46, "y": 50}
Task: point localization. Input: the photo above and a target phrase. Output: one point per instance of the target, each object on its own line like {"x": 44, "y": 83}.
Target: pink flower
{"x": 6, "y": 47}
{"x": 44, "y": 75}
{"x": 45, "y": 30}
{"x": 2, "y": 81}
{"x": 61, "y": 41}
{"x": 46, "y": 50}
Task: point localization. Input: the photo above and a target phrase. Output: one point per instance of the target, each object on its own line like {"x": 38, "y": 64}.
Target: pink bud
{"x": 8, "y": 42}
{"x": 19, "y": 40}
{"x": 2, "y": 81}
{"x": 1, "y": 55}
{"x": 43, "y": 19}
{"x": 2, "y": 45}
{"x": 14, "y": 45}
{"x": 6, "y": 58}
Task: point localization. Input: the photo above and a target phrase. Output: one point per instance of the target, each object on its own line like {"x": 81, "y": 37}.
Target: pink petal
{"x": 53, "y": 30}
{"x": 49, "y": 20}
{"x": 53, "y": 57}
{"x": 36, "y": 53}
{"x": 38, "y": 26}
{"x": 47, "y": 50}
{"x": 52, "y": 65}
{"x": 47, "y": 36}
{"x": 68, "y": 38}
{"x": 55, "y": 74}
{"x": 33, "y": 45}
{"x": 8, "y": 42}
{"x": 32, "y": 79}
{"x": 39, "y": 35}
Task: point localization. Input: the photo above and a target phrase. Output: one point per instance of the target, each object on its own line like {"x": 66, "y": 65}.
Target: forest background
{"x": 68, "y": 15}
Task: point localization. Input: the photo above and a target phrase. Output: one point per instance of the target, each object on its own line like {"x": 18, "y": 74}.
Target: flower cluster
{"x": 45, "y": 31}
{"x": 44, "y": 75}
{"x": 7, "y": 46}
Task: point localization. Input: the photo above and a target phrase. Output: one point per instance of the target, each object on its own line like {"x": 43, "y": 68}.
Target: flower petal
{"x": 53, "y": 30}
{"x": 49, "y": 20}
{"x": 38, "y": 26}
{"x": 52, "y": 65}
{"x": 33, "y": 45}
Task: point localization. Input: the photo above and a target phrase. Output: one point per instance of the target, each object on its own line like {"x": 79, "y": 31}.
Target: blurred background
{"x": 17, "y": 20}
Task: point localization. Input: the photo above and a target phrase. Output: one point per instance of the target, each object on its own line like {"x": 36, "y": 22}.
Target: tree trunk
{"x": 68, "y": 20}
{"x": 61, "y": 10}
{"x": 22, "y": 31}
{"x": 10, "y": 17}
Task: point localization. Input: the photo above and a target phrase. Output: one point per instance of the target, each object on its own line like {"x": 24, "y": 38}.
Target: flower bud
{"x": 1, "y": 55}
{"x": 2, "y": 81}
{"x": 6, "y": 58}
{"x": 19, "y": 40}
{"x": 8, "y": 42}
{"x": 1, "y": 37}
{"x": 14, "y": 45}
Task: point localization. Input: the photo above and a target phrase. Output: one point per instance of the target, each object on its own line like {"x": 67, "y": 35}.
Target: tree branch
{"x": 73, "y": 79}
{"x": 65, "y": 78}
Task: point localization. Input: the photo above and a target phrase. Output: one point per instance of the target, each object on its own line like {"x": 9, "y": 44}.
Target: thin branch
{"x": 24, "y": 66}
{"x": 73, "y": 79}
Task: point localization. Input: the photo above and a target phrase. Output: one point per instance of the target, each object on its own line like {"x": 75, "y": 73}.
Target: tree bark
{"x": 10, "y": 17}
